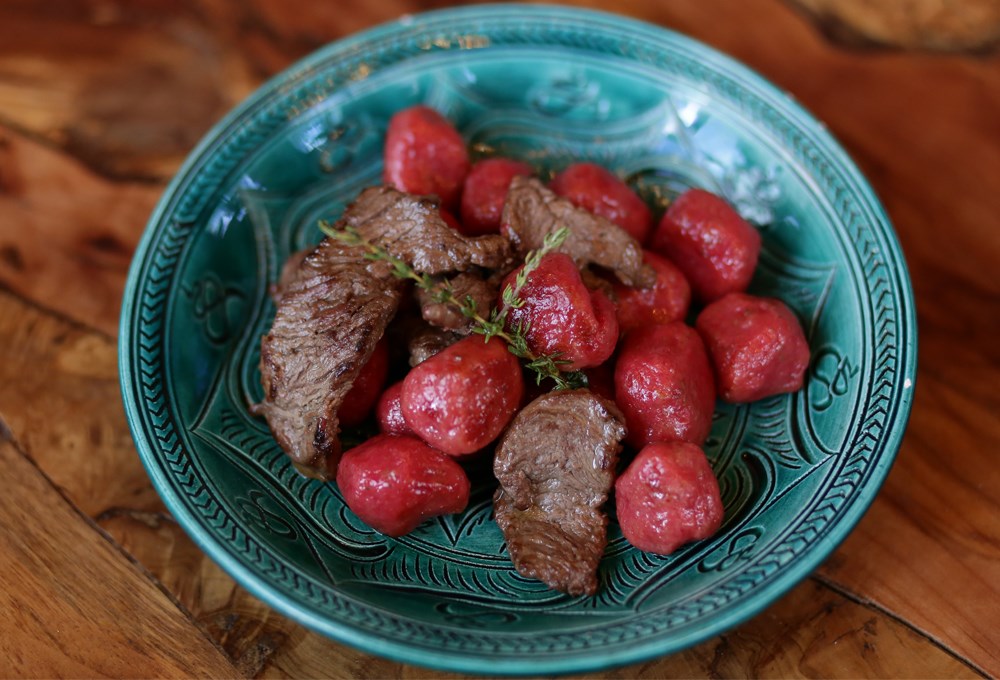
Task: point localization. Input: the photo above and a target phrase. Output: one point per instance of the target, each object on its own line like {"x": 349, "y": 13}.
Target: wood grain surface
{"x": 74, "y": 605}
{"x": 100, "y": 100}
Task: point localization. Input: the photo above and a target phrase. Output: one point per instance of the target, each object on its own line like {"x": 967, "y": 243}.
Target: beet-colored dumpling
{"x": 562, "y": 315}
{"x": 708, "y": 240}
{"x": 667, "y": 497}
{"x": 667, "y": 300}
{"x": 757, "y": 347}
{"x": 389, "y": 410}
{"x": 365, "y": 391}
{"x": 424, "y": 154}
{"x": 484, "y": 194}
{"x": 461, "y": 399}
{"x": 601, "y": 380}
{"x": 393, "y": 483}
{"x": 664, "y": 385}
{"x": 598, "y": 190}
{"x": 450, "y": 219}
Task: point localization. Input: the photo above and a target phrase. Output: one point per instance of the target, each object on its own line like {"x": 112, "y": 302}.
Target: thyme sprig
{"x": 494, "y": 325}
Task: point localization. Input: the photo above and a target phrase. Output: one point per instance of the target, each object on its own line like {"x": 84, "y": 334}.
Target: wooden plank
{"x": 128, "y": 88}
{"x": 66, "y": 235}
{"x": 929, "y": 548}
{"x": 929, "y": 24}
{"x": 60, "y": 399}
{"x": 73, "y": 605}
{"x": 813, "y": 632}
{"x": 923, "y": 128}
{"x": 254, "y": 636}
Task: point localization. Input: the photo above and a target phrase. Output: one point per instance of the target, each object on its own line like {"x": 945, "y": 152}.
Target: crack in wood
{"x": 153, "y": 520}
{"x": 76, "y": 324}
{"x": 876, "y": 607}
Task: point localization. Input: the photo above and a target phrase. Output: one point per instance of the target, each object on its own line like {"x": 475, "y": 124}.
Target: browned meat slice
{"x": 427, "y": 341}
{"x": 467, "y": 284}
{"x": 556, "y": 464}
{"x": 532, "y": 211}
{"x": 332, "y": 309}
{"x": 410, "y": 227}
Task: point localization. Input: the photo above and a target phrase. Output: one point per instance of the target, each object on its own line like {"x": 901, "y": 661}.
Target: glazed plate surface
{"x": 549, "y": 86}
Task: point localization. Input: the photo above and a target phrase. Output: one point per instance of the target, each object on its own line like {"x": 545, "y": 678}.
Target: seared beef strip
{"x": 532, "y": 211}
{"x": 467, "y": 284}
{"x": 331, "y": 311}
{"x": 334, "y": 305}
{"x": 426, "y": 341}
{"x": 410, "y": 227}
{"x": 412, "y": 340}
{"x": 556, "y": 464}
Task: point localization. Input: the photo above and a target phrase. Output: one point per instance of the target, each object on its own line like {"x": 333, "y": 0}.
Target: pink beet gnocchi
{"x": 462, "y": 398}
{"x": 664, "y": 385}
{"x": 667, "y": 497}
{"x": 425, "y": 155}
{"x": 708, "y": 240}
{"x": 757, "y": 347}
{"x": 597, "y": 189}
{"x": 393, "y": 483}
{"x": 666, "y": 301}
{"x": 563, "y": 316}
{"x": 484, "y": 194}
{"x": 389, "y": 411}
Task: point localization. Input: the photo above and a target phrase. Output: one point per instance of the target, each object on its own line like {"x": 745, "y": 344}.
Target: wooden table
{"x": 100, "y": 101}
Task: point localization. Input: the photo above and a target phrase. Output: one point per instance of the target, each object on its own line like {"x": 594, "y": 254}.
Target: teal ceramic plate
{"x": 550, "y": 86}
